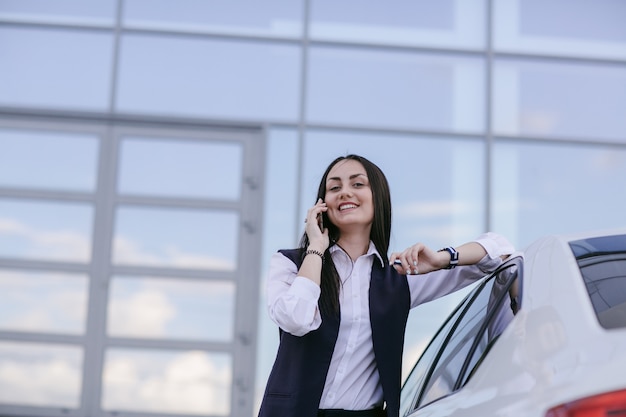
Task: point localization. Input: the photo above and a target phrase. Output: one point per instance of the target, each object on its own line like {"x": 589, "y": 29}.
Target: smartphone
{"x": 397, "y": 262}
{"x": 320, "y": 221}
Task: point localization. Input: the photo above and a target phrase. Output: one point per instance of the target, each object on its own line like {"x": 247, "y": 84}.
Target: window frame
{"x": 434, "y": 344}
{"x": 465, "y": 372}
{"x": 458, "y": 316}
{"x": 94, "y": 342}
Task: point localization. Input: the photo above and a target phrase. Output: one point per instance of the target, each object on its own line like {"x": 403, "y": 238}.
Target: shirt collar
{"x": 371, "y": 250}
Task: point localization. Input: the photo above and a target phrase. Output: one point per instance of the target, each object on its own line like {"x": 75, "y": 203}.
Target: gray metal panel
{"x": 247, "y": 298}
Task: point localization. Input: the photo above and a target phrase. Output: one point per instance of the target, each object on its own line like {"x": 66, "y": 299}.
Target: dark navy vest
{"x": 295, "y": 385}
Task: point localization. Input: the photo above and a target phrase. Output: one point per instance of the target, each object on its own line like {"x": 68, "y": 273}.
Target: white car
{"x": 544, "y": 336}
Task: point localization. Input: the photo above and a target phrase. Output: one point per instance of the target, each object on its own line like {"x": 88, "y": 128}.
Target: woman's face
{"x": 348, "y": 195}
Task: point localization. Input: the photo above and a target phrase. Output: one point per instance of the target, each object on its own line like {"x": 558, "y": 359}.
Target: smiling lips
{"x": 347, "y": 206}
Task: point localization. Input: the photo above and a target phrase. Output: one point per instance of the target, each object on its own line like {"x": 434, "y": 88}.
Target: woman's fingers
{"x": 312, "y": 228}
{"x": 407, "y": 262}
{"x": 312, "y": 213}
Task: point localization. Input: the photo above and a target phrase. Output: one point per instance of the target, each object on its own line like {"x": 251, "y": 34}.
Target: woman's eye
{"x": 358, "y": 184}
{"x": 335, "y": 188}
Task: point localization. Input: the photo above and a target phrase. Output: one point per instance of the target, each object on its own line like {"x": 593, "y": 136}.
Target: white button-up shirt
{"x": 352, "y": 382}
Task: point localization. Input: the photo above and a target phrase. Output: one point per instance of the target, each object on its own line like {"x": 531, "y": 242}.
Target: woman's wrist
{"x": 444, "y": 259}
{"x": 315, "y": 253}
{"x": 316, "y": 247}
{"x": 449, "y": 256}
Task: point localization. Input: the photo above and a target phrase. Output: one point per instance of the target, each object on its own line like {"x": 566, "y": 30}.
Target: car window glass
{"x": 444, "y": 376}
{"x": 602, "y": 263}
{"x": 502, "y": 306}
{"x": 414, "y": 381}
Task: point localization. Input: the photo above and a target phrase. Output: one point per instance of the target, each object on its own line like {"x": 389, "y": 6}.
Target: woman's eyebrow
{"x": 351, "y": 177}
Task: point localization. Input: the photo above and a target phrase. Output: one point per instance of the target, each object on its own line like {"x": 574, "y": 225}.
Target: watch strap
{"x": 454, "y": 256}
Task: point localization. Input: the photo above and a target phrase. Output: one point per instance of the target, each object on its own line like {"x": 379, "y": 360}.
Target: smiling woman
{"x": 359, "y": 208}
{"x": 342, "y": 307}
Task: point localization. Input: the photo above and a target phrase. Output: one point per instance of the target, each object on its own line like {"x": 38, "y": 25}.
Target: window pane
{"x": 61, "y": 11}
{"x": 280, "y": 18}
{"x": 561, "y": 27}
{"x": 251, "y": 79}
{"x": 179, "y": 168}
{"x": 55, "y": 68}
{"x": 505, "y": 289}
{"x": 414, "y": 383}
{"x": 176, "y": 238}
{"x": 396, "y": 89}
{"x": 281, "y": 173}
{"x": 66, "y": 161}
{"x": 171, "y": 309}
{"x": 560, "y": 100}
{"x": 40, "y": 375}
{"x": 438, "y": 212}
{"x": 444, "y": 23}
{"x": 190, "y": 382}
{"x": 45, "y": 231}
{"x": 447, "y": 370}
{"x": 43, "y": 301}
{"x": 602, "y": 263}
{"x": 533, "y": 195}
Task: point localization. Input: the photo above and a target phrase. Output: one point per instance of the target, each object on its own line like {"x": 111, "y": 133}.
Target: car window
{"x": 503, "y": 304}
{"x": 602, "y": 263}
{"x": 479, "y": 324}
{"x": 414, "y": 381}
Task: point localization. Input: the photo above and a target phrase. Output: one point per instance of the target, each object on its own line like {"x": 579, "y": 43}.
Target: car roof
{"x": 567, "y": 237}
{"x": 552, "y": 276}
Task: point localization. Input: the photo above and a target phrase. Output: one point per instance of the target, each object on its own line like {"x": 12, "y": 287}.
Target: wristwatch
{"x": 454, "y": 257}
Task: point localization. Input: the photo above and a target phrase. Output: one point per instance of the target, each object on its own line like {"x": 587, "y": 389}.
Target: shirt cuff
{"x": 495, "y": 244}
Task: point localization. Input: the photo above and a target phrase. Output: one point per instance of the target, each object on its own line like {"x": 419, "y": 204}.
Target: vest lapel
{"x": 390, "y": 302}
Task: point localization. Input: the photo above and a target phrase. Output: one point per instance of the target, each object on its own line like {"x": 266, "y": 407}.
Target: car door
{"x": 462, "y": 343}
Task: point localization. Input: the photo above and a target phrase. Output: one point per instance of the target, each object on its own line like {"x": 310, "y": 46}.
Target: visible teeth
{"x": 347, "y": 206}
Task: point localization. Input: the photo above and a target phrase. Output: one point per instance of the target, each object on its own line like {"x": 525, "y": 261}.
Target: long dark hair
{"x": 380, "y": 233}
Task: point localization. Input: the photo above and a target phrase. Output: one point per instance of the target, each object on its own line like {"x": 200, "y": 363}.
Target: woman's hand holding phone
{"x": 320, "y": 221}
{"x": 315, "y": 230}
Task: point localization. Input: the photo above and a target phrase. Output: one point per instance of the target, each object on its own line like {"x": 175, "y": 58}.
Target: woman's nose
{"x": 346, "y": 193}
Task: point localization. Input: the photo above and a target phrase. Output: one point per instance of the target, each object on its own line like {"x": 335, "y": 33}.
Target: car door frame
{"x": 463, "y": 377}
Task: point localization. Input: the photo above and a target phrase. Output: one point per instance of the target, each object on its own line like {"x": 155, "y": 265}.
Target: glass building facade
{"x": 154, "y": 154}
